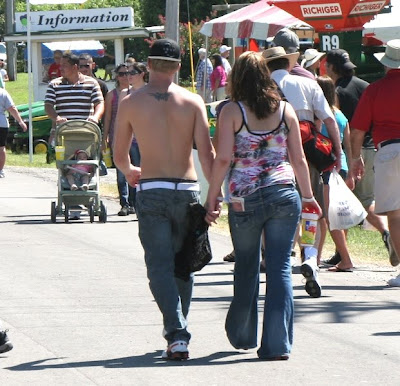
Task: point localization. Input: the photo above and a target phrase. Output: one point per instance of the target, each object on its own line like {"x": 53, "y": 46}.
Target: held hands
{"x": 213, "y": 208}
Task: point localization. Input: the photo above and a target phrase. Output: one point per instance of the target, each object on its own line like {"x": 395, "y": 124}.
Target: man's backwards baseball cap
{"x": 340, "y": 58}
{"x": 165, "y": 49}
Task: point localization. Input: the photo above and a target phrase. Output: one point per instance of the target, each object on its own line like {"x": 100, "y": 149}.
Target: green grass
{"x": 22, "y": 159}
{"x": 19, "y": 89}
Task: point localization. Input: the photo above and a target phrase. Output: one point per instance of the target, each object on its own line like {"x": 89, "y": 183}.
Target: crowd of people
{"x": 259, "y": 156}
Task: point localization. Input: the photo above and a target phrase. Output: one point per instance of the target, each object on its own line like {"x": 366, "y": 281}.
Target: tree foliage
{"x": 189, "y": 10}
{"x": 149, "y": 13}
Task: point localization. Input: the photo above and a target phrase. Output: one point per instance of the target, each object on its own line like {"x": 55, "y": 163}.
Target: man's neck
{"x": 73, "y": 78}
{"x": 160, "y": 79}
{"x": 335, "y": 77}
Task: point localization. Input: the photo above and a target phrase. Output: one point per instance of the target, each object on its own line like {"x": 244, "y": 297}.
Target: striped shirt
{"x": 74, "y": 101}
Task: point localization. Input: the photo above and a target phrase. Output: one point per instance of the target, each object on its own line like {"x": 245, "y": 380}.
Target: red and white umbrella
{"x": 257, "y": 21}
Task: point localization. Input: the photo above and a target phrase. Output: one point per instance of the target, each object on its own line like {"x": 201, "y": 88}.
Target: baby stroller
{"x": 72, "y": 136}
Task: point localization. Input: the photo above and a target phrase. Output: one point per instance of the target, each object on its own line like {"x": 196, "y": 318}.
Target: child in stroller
{"x": 79, "y": 175}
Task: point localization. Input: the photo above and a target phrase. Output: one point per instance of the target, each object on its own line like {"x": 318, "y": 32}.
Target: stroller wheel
{"x": 91, "y": 212}
{"x": 103, "y": 213}
{"x": 66, "y": 213}
{"x": 53, "y": 212}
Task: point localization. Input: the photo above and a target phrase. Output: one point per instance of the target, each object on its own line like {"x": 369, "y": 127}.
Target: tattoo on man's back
{"x": 161, "y": 96}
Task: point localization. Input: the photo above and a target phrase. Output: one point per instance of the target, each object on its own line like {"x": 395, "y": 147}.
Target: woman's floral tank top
{"x": 260, "y": 159}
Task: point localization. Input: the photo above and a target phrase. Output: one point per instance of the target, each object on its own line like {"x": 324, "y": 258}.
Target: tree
{"x": 198, "y": 9}
{"x": 198, "y": 41}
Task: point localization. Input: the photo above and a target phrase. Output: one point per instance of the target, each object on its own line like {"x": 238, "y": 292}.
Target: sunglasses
{"x": 84, "y": 65}
{"x": 134, "y": 72}
{"x": 126, "y": 73}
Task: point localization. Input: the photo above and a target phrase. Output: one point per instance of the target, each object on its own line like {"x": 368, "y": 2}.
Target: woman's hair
{"x": 142, "y": 68}
{"x": 251, "y": 83}
{"x": 116, "y": 70}
{"x": 217, "y": 60}
{"x": 328, "y": 87}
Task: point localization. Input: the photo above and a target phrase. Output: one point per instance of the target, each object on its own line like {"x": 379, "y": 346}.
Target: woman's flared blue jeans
{"x": 276, "y": 210}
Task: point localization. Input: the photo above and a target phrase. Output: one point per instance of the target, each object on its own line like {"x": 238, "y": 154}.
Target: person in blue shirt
{"x": 338, "y": 235}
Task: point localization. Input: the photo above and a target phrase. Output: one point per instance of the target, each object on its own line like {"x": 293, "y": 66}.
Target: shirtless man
{"x": 166, "y": 120}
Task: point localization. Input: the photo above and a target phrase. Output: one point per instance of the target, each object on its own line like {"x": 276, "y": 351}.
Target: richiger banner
{"x": 329, "y": 16}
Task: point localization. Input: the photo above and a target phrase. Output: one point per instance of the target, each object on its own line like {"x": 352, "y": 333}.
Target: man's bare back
{"x": 166, "y": 120}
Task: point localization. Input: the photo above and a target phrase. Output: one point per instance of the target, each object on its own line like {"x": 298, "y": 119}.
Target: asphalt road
{"x": 76, "y": 302}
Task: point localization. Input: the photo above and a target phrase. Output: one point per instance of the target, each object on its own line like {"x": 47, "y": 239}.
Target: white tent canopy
{"x": 257, "y": 21}
{"x": 385, "y": 26}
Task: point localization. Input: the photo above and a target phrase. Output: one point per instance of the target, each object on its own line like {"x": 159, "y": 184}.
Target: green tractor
{"x": 41, "y": 124}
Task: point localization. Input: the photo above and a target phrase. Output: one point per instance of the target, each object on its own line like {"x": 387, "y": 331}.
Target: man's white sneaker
{"x": 395, "y": 282}
{"x": 177, "y": 351}
{"x": 310, "y": 270}
{"x": 2, "y": 175}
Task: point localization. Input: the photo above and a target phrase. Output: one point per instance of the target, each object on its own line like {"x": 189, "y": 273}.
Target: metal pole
{"x": 172, "y": 23}
{"x": 11, "y": 48}
{"x": 28, "y": 35}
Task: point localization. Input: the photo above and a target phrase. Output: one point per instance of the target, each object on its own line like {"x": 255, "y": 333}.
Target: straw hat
{"x": 391, "y": 57}
{"x": 311, "y": 56}
{"x": 274, "y": 53}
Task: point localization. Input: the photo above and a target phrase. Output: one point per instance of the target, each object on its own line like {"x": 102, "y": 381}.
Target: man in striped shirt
{"x": 73, "y": 95}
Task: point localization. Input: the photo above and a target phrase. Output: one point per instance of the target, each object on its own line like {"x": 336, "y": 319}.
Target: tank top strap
{"x": 282, "y": 109}
{"x": 244, "y": 114}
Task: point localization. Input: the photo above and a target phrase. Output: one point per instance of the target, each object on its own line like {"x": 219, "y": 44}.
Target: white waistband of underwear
{"x": 194, "y": 186}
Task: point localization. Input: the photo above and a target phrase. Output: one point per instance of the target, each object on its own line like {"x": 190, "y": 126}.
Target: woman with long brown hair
{"x": 260, "y": 147}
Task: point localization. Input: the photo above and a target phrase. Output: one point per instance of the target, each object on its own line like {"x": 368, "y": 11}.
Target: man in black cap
{"x": 166, "y": 120}
{"x": 349, "y": 89}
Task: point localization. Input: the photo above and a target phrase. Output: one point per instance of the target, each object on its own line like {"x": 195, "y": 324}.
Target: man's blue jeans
{"x": 163, "y": 226}
{"x": 276, "y": 210}
{"x": 127, "y": 194}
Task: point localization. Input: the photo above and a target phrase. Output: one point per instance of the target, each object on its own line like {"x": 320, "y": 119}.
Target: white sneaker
{"x": 176, "y": 351}
{"x": 309, "y": 269}
{"x": 2, "y": 175}
{"x": 395, "y": 282}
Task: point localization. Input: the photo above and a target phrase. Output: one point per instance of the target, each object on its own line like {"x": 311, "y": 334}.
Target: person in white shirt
{"x": 3, "y": 73}
{"x": 225, "y": 51}
{"x": 308, "y": 100}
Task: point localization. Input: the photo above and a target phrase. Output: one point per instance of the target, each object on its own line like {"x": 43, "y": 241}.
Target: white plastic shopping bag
{"x": 345, "y": 210}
